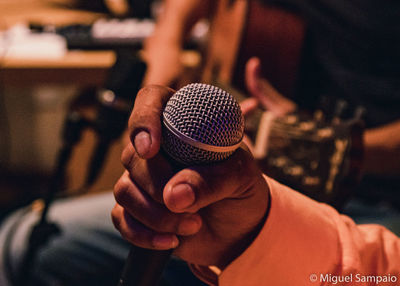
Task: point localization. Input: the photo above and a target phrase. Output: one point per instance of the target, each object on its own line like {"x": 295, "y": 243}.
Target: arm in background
{"x": 382, "y": 150}
{"x": 163, "y": 48}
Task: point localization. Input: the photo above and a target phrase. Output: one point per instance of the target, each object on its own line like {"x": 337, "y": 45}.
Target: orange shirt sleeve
{"x": 304, "y": 242}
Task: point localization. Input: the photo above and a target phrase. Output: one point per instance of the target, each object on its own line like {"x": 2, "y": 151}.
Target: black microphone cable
{"x": 144, "y": 267}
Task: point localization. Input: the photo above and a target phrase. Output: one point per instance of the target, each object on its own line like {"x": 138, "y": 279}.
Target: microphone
{"x": 202, "y": 124}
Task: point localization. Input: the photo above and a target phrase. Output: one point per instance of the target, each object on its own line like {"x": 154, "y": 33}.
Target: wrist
{"x": 244, "y": 242}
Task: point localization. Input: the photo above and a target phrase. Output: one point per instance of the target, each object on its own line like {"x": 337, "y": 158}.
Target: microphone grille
{"x": 202, "y": 123}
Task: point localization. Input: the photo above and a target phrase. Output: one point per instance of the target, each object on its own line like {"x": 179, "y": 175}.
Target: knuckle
{"x": 122, "y": 190}
{"x": 155, "y": 224}
{"x": 163, "y": 224}
{"x": 127, "y": 156}
{"x": 135, "y": 235}
{"x": 144, "y": 118}
{"x": 132, "y": 236}
{"x": 148, "y": 89}
{"x": 193, "y": 177}
{"x": 158, "y": 220}
{"x": 115, "y": 217}
{"x": 151, "y": 89}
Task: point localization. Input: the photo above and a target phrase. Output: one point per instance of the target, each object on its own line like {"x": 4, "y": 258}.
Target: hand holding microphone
{"x": 208, "y": 213}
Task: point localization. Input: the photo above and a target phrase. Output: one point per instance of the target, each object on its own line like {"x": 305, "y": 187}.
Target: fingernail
{"x": 189, "y": 226}
{"x": 165, "y": 241}
{"x": 142, "y": 143}
{"x": 182, "y": 196}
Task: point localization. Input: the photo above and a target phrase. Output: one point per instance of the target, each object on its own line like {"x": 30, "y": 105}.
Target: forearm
{"x": 382, "y": 150}
{"x": 162, "y": 50}
{"x": 183, "y": 14}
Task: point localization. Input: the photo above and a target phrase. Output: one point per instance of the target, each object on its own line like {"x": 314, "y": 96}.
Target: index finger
{"x": 248, "y": 105}
{"x": 145, "y": 120}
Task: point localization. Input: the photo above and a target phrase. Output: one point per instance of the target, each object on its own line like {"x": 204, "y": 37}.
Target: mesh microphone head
{"x": 202, "y": 124}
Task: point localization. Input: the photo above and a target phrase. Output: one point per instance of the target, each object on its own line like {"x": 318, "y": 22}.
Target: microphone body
{"x": 202, "y": 124}
{"x": 144, "y": 267}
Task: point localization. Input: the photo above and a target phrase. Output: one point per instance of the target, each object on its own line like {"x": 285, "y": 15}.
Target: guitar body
{"x": 225, "y": 40}
{"x": 247, "y": 28}
{"x": 276, "y": 37}
{"x": 320, "y": 159}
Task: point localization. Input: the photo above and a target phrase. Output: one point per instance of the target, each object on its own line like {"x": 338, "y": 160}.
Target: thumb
{"x": 197, "y": 187}
{"x": 144, "y": 123}
{"x": 266, "y": 94}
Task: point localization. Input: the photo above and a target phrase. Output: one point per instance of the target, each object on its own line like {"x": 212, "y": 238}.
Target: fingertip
{"x": 190, "y": 225}
{"x": 165, "y": 241}
{"x": 142, "y": 143}
{"x": 254, "y": 66}
{"x": 257, "y": 64}
{"x": 252, "y": 74}
{"x": 248, "y": 105}
{"x": 144, "y": 123}
{"x": 115, "y": 216}
{"x": 179, "y": 197}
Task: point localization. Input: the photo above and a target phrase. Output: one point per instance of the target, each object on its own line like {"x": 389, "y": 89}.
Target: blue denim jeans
{"x": 89, "y": 251}
{"x": 382, "y": 213}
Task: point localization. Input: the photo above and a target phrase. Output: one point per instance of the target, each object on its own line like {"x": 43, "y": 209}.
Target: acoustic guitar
{"x": 318, "y": 153}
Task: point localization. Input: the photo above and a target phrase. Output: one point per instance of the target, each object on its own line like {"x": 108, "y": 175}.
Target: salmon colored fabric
{"x": 304, "y": 242}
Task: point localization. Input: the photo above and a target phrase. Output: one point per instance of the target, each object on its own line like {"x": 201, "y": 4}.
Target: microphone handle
{"x": 144, "y": 267}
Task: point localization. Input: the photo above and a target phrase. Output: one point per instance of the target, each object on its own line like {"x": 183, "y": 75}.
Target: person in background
{"x": 163, "y": 49}
{"x": 349, "y": 53}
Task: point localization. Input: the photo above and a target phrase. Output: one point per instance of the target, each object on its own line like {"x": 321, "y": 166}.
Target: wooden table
{"x": 76, "y": 67}
{"x": 19, "y": 77}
